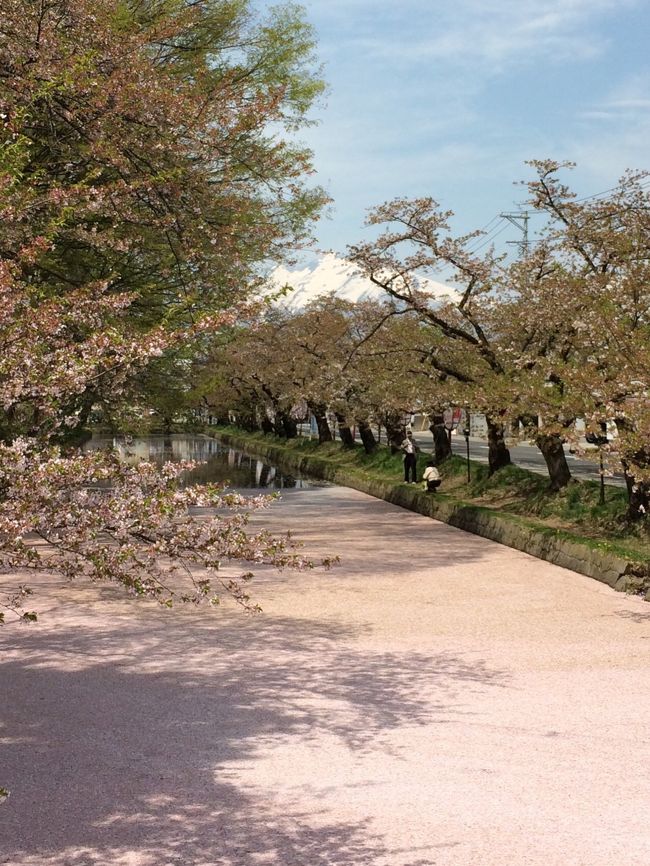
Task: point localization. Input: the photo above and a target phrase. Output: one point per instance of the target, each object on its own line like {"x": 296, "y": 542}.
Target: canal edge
{"x": 551, "y": 545}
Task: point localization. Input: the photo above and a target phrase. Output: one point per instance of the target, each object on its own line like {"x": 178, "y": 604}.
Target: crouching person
{"x": 431, "y": 477}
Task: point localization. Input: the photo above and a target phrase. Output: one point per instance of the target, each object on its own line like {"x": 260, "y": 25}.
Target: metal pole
{"x": 602, "y": 478}
{"x": 520, "y": 220}
{"x": 466, "y": 434}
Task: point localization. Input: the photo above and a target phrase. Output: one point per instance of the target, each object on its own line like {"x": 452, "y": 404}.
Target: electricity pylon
{"x": 520, "y": 220}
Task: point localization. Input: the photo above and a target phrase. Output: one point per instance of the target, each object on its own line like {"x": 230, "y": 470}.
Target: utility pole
{"x": 520, "y": 220}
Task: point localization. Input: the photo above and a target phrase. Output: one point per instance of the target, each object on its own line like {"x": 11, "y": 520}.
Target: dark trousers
{"x": 410, "y": 467}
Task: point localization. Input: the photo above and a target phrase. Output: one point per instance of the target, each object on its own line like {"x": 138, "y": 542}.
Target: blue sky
{"x": 449, "y": 97}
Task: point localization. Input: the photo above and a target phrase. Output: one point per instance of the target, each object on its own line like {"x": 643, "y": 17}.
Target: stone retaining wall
{"x": 556, "y": 546}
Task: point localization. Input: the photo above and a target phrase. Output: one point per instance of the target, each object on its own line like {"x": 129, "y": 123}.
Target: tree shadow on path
{"x": 131, "y": 743}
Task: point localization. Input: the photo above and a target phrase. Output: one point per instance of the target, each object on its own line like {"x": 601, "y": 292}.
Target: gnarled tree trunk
{"x": 285, "y": 426}
{"x": 347, "y": 437}
{"x": 441, "y": 443}
{"x": 552, "y": 449}
{"x": 289, "y": 426}
{"x": 319, "y": 411}
{"x": 367, "y": 437}
{"x": 395, "y": 430}
{"x": 248, "y": 421}
{"x": 638, "y": 499}
{"x": 638, "y": 492}
{"x": 498, "y": 454}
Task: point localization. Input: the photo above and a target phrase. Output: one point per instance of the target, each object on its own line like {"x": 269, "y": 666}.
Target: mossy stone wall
{"x": 559, "y": 547}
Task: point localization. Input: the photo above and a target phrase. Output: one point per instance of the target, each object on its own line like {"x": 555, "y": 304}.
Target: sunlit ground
{"x": 436, "y": 699}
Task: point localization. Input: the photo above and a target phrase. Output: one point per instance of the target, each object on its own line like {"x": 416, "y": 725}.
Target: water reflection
{"x": 218, "y": 462}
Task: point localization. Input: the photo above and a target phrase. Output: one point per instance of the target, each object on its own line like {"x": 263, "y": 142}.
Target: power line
{"x": 484, "y": 237}
{"x": 621, "y": 186}
{"x": 524, "y": 216}
{"x": 484, "y": 228}
{"x": 489, "y": 239}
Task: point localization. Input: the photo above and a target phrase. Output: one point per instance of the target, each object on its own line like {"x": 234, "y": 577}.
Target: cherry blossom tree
{"x": 143, "y": 173}
{"x": 536, "y": 344}
{"x": 87, "y": 514}
{"x": 582, "y": 312}
{"x": 415, "y": 245}
{"x": 366, "y": 364}
{"x": 159, "y": 159}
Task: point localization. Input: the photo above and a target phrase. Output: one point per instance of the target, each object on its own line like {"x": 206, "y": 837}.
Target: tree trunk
{"x": 345, "y": 432}
{"x": 278, "y": 427}
{"x": 248, "y": 421}
{"x": 441, "y": 444}
{"x": 324, "y": 432}
{"x": 367, "y": 437}
{"x": 498, "y": 454}
{"x": 289, "y": 426}
{"x": 638, "y": 493}
{"x": 553, "y": 452}
{"x": 319, "y": 411}
{"x": 395, "y": 431}
{"x": 285, "y": 426}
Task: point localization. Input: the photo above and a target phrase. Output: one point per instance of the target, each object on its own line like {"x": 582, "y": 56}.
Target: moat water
{"x": 217, "y": 462}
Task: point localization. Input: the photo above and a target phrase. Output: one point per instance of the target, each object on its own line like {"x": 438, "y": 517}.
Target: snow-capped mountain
{"x": 330, "y": 273}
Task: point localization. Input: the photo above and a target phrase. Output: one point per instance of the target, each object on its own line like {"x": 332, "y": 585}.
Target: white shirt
{"x": 409, "y": 446}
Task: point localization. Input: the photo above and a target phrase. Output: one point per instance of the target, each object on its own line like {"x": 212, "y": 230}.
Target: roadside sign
{"x": 451, "y": 418}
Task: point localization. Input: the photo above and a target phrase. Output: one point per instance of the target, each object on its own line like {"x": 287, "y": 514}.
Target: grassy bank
{"x": 512, "y": 506}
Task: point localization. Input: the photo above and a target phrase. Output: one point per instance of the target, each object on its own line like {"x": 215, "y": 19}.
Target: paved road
{"x": 437, "y": 699}
{"x": 526, "y": 456}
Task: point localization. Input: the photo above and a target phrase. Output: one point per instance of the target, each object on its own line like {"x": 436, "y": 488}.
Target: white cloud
{"x": 628, "y": 102}
{"x": 493, "y": 33}
{"x": 603, "y": 161}
{"x": 449, "y": 97}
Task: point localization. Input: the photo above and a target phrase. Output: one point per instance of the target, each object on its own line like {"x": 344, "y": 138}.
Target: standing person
{"x": 431, "y": 477}
{"x": 410, "y": 448}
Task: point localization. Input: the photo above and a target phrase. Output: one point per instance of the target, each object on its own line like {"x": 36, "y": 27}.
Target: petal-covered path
{"x": 436, "y": 699}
